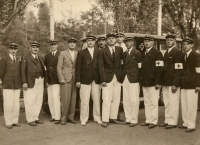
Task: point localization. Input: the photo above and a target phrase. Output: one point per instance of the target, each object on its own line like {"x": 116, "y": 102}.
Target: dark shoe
{"x": 182, "y": 127}
{"x": 132, "y": 124}
{"x": 104, "y": 124}
{"x": 52, "y": 119}
{"x": 163, "y": 125}
{"x": 126, "y": 123}
{"x": 152, "y": 126}
{"x": 72, "y": 121}
{"x": 16, "y": 124}
{"x": 32, "y": 123}
{"x": 115, "y": 121}
{"x": 145, "y": 124}
{"x": 38, "y": 121}
{"x": 63, "y": 123}
{"x": 9, "y": 126}
{"x": 57, "y": 121}
{"x": 170, "y": 126}
{"x": 190, "y": 130}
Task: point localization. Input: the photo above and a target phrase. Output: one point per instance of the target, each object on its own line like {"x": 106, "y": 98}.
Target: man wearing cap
{"x": 132, "y": 62}
{"x": 120, "y": 41}
{"x": 171, "y": 82}
{"x": 101, "y": 42}
{"x": 111, "y": 77}
{"x": 10, "y": 82}
{"x": 88, "y": 80}
{"x": 150, "y": 80}
{"x": 190, "y": 85}
{"x": 34, "y": 79}
{"x": 66, "y": 76}
{"x": 51, "y": 61}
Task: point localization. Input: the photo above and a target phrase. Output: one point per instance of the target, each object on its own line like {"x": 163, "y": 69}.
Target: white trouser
{"x": 131, "y": 93}
{"x": 151, "y": 96}
{"x": 111, "y": 100}
{"x": 189, "y": 101}
{"x": 11, "y": 105}
{"x": 171, "y": 101}
{"x": 33, "y": 98}
{"x": 85, "y": 91}
{"x": 54, "y": 100}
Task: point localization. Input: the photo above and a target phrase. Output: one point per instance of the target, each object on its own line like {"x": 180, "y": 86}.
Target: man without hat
{"x": 120, "y": 41}
{"x": 34, "y": 79}
{"x": 10, "y": 82}
{"x": 132, "y": 63}
{"x": 111, "y": 79}
{"x": 66, "y": 75}
{"x": 190, "y": 85}
{"x": 88, "y": 80}
{"x": 51, "y": 61}
{"x": 171, "y": 82}
{"x": 150, "y": 80}
{"x": 101, "y": 42}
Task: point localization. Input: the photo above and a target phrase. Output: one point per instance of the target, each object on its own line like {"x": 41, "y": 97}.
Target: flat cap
{"x": 101, "y": 38}
{"x": 128, "y": 38}
{"x": 188, "y": 39}
{"x": 110, "y": 35}
{"x": 90, "y": 36}
{"x": 148, "y": 37}
{"x": 120, "y": 34}
{"x": 13, "y": 45}
{"x": 53, "y": 42}
{"x": 72, "y": 39}
{"x": 34, "y": 43}
{"x": 169, "y": 35}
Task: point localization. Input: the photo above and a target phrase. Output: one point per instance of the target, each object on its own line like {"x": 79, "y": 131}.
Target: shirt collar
{"x": 54, "y": 51}
{"x": 170, "y": 49}
{"x": 130, "y": 49}
{"x": 188, "y": 52}
{"x": 34, "y": 55}
{"x": 149, "y": 49}
{"x": 12, "y": 56}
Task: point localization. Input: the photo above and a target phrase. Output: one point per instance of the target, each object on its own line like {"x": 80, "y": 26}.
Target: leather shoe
{"x": 104, "y": 124}
{"x": 126, "y": 123}
{"x": 38, "y": 121}
{"x": 115, "y": 121}
{"x": 132, "y": 124}
{"x": 170, "y": 126}
{"x": 16, "y": 124}
{"x": 190, "y": 130}
{"x": 9, "y": 126}
{"x": 56, "y": 121}
{"x": 32, "y": 123}
{"x": 52, "y": 119}
{"x": 63, "y": 123}
{"x": 182, "y": 127}
{"x": 145, "y": 124}
{"x": 163, "y": 125}
{"x": 152, "y": 126}
{"x": 72, "y": 121}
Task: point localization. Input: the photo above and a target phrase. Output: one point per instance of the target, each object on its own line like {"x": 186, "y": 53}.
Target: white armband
{"x": 197, "y": 69}
{"x": 139, "y": 65}
{"x": 159, "y": 63}
{"x": 178, "y": 65}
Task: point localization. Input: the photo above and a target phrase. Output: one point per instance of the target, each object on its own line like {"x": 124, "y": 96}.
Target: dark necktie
{"x": 127, "y": 55}
{"x": 185, "y": 58}
{"x": 36, "y": 58}
{"x": 113, "y": 53}
{"x": 14, "y": 60}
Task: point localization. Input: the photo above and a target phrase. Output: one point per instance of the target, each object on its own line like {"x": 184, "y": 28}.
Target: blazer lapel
{"x": 108, "y": 52}
{"x": 130, "y": 56}
{"x": 33, "y": 59}
{"x": 75, "y": 55}
{"x": 95, "y": 52}
{"x": 88, "y": 53}
{"x": 54, "y": 57}
{"x": 68, "y": 54}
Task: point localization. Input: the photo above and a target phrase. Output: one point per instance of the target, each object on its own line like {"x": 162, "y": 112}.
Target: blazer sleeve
{"x": 197, "y": 70}
{"x": 178, "y": 66}
{"x": 23, "y": 70}
{"x": 159, "y": 68}
{"x": 2, "y": 70}
{"x": 59, "y": 67}
{"x": 78, "y": 67}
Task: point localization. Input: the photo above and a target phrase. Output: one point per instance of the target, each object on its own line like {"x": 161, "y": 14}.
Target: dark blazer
{"x": 10, "y": 73}
{"x": 88, "y": 68}
{"x": 172, "y": 68}
{"x": 28, "y": 70}
{"x": 190, "y": 78}
{"x": 110, "y": 66}
{"x": 51, "y": 65}
{"x": 150, "y": 74}
{"x": 131, "y": 68}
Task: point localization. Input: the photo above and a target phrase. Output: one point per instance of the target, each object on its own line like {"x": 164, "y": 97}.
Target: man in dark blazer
{"x": 111, "y": 77}
{"x": 88, "y": 80}
{"x": 132, "y": 62}
{"x": 51, "y": 61}
{"x": 171, "y": 82}
{"x": 10, "y": 81}
{"x": 150, "y": 80}
{"x": 101, "y": 42}
{"x": 34, "y": 79}
{"x": 190, "y": 85}
{"x": 66, "y": 75}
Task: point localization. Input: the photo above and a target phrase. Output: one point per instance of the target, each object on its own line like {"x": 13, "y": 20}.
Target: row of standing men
{"x": 93, "y": 69}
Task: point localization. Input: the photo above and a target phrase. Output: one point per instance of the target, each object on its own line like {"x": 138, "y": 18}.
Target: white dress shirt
{"x": 12, "y": 57}
{"x": 91, "y": 51}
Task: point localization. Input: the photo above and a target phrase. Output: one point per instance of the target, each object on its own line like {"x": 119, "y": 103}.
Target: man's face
{"x": 129, "y": 43}
{"x": 187, "y": 46}
{"x": 101, "y": 43}
{"x": 54, "y": 47}
{"x": 72, "y": 45}
{"x": 120, "y": 39}
{"x": 111, "y": 41}
{"x": 170, "y": 42}
{"x": 148, "y": 43}
{"x": 34, "y": 49}
{"x": 12, "y": 51}
{"x": 90, "y": 43}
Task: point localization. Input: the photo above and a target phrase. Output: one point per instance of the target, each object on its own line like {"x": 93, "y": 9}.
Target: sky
{"x": 66, "y": 9}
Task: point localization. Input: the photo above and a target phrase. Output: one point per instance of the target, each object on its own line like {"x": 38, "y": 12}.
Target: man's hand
{"x": 157, "y": 87}
{"x": 197, "y": 89}
{"x": 103, "y": 84}
{"x": 174, "y": 89}
{"x": 1, "y": 84}
{"x": 25, "y": 86}
{"x": 78, "y": 84}
{"x": 46, "y": 85}
{"x": 62, "y": 82}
